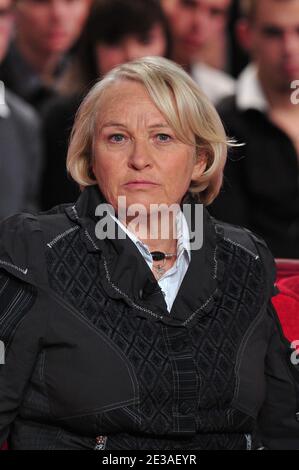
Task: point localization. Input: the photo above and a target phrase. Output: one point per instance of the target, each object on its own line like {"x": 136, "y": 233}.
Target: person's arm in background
{"x": 28, "y": 126}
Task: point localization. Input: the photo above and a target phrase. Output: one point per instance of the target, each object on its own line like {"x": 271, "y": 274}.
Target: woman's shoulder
{"x": 23, "y": 238}
{"x": 245, "y": 238}
{"x": 249, "y": 243}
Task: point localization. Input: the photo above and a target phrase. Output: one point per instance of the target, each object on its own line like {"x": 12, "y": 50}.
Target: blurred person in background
{"x": 46, "y": 30}
{"x": 262, "y": 190}
{"x": 238, "y": 55}
{"x": 117, "y": 31}
{"x": 196, "y": 25}
{"x": 6, "y": 21}
{"x": 20, "y": 143}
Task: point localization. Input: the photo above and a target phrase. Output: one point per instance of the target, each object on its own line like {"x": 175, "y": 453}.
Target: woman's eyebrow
{"x": 161, "y": 124}
{"x": 119, "y": 124}
{"x": 113, "y": 124}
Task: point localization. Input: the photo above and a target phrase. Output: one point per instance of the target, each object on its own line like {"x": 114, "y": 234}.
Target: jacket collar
{"x": 127, "y": 274}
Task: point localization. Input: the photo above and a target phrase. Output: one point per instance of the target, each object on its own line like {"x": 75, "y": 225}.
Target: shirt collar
{"x": 183, "y": 242}
{"x": 249, "y": 93}
{"x": 4, "y": 109}
{"x": 124, "y": 274}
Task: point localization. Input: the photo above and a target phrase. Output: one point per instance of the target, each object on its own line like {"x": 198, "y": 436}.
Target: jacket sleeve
{"x": 22, "y": 326}
{"x": 279, "y": 417}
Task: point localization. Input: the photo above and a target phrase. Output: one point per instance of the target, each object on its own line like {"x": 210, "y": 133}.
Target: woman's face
{"x": 131, "y": 47}
{"x": 137, "y": 154}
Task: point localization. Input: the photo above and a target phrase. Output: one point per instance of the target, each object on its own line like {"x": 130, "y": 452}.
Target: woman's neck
{"x": 157, "y": 232}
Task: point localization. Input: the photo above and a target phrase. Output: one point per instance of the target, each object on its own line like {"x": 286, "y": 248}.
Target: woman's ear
{"x": 200, "y": 166}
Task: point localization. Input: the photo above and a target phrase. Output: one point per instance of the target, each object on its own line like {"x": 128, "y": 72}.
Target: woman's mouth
{"x": 140, "y": 183}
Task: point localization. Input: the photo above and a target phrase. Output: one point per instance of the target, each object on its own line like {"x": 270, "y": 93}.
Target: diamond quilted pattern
{"x": 175, "y": 376}
{"x": 219, "y": 338}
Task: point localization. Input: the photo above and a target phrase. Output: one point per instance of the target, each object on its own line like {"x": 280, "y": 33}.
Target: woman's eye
{"x": 163, "y": 137}
{"x": 116, "y": 138}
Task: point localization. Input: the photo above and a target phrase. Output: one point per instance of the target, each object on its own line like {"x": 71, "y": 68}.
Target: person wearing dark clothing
{"x": 198, "y": 26}
{"x": 45, "y": 34}
{"x": 117, "y": 31}
{"x": 57, "y": 186}
{"x": 21, "y": 78}
{"x": 123, "y": 336}
{"x": 73, "y": 333}
{"x": 261, "y": 188}
{"x": 20, "y": 139}
{"x": 262, "y": 178}
{"x": 21, "y": 157}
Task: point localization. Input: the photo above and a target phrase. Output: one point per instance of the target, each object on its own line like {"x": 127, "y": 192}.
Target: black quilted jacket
{"x": 94, "y": 360}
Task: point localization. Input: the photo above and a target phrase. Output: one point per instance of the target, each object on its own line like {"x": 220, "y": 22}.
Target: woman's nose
{"x": 140, "y": 156}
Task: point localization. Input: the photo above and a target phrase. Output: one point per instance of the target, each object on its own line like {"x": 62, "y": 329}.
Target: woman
{"x": 117, "y": 31}
{"x": 119, "y": 337}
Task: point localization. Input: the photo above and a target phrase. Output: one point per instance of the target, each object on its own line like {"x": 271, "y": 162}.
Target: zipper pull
{"x": 100, "y": 442}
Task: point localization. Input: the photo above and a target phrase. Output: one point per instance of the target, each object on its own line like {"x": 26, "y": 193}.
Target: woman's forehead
{"x": 125, "y": 100}
{"x": 124, "y": 90}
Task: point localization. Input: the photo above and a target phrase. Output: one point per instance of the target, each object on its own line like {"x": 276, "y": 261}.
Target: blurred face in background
{"x": 131, "y": 47}
{"x": 51, "y": 25}
{"x": 273, "y": 41}
{"x": 194, "y": 23}
{"x": 6, "y": 21}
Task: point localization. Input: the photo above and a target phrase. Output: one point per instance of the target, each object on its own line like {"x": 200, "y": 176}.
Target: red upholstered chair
{"x": 286, "y": 268}
{"x": 287, "y": 301}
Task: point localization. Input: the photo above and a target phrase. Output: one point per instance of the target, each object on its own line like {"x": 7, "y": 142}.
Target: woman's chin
{"x": 145, "y": 202}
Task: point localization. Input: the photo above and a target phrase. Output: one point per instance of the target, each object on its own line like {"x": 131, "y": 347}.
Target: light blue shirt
{"x": 171, "y": 280}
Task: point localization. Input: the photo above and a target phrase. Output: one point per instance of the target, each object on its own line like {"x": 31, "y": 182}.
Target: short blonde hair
{"x": 184, "y": 106}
